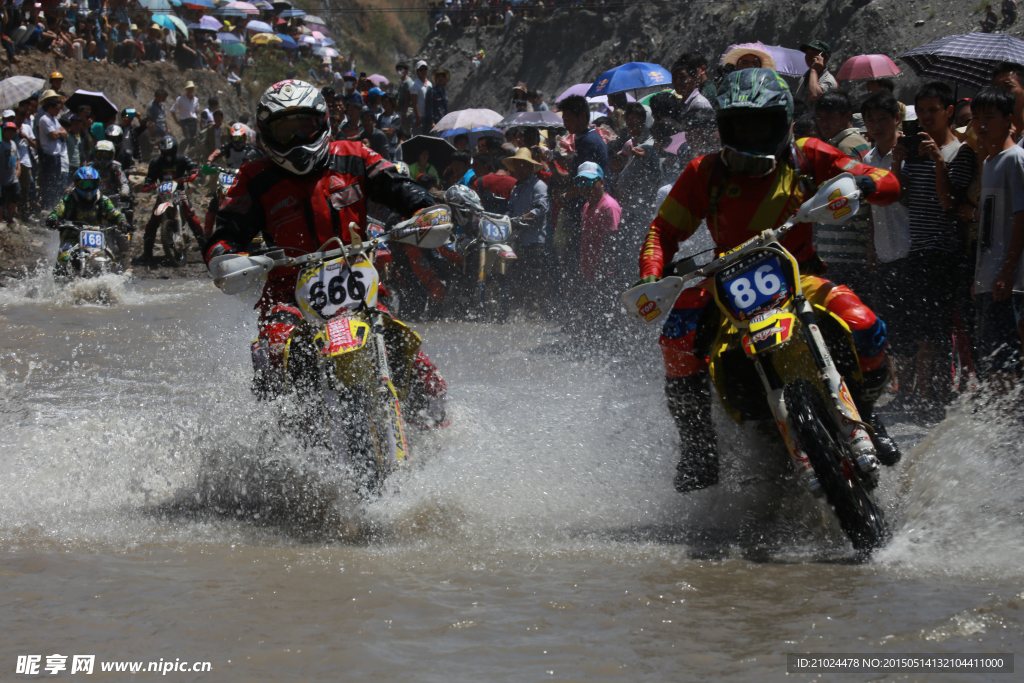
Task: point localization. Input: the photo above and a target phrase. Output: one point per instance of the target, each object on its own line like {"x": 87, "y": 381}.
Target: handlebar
{"x": 760, "y": 240}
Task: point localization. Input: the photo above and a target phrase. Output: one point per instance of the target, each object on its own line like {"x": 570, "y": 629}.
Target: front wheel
{"x": 859, "y": 516}
{"x": 173, "y": 240}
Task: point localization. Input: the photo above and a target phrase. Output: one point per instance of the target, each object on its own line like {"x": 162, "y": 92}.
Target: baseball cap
{"x": 590, "y": 169}
{"x": 367, "y": 110}
{"x": 421, "y": 65}
{"x": 349, "y": 74}
{"x": 130, "y": 113}
{"x": 355, "y": 98}
{"x": 8, "y": 114}
{"x": 11, "y": 124}
{"x": 819, "y": 45}
{"x": 375, "y": 91}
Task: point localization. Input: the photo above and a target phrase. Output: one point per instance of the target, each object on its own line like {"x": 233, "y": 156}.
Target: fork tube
{"x": 481, "y": 281}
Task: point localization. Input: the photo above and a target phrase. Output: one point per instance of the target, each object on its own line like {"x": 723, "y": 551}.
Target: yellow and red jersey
{"x": 745, "y": 206}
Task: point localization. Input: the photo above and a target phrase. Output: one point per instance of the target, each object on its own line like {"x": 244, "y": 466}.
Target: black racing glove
{"x": 866, "y": 184}
{"x": 52, "y": 222}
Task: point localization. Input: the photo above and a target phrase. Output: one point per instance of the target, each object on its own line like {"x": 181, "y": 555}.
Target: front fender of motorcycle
{"x": 161, "y": 208}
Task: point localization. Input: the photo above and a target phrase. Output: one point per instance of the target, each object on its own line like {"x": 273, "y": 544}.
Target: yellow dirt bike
{"x": 349, "y": 361}
{"x": 770, "y": 360}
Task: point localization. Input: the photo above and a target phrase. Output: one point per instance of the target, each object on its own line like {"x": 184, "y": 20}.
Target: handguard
{"x": 235, "y": 273}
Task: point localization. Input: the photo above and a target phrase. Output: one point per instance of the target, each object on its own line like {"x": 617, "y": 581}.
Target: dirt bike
{"x": 770, "y": 360}
{"x": 349, "y": 360}
{"x": 485, "y": 245}
{"x": 173, "y": 235}
{"x": 86, "y": 251}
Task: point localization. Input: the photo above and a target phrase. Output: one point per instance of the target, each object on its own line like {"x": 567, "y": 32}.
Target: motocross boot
{"x": 148, "y": 242}
{"x": 689, "y": 401}
{"x": 864, "y": 397}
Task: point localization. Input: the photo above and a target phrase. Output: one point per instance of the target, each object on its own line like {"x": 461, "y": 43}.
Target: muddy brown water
{"x": 537, "y": 538}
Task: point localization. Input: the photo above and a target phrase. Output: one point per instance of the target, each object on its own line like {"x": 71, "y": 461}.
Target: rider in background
{"x": 758, "y": 180}
{"x": 305, "y": 192}
{"x": 236, "y": 151}
{"x": 113, "y": 179}
{"x": 85, "y": 203}
{"x": 170, "y": 166}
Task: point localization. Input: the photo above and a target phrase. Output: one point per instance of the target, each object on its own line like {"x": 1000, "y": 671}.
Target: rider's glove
{"x": 51, "y": 222}
{"x": 866, "y": 184}
{"x": 650, "y": 279}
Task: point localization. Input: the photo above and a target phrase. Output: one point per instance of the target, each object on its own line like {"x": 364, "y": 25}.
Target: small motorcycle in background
{"x": 173, "y": 235}
{"x": 87, "y": 251}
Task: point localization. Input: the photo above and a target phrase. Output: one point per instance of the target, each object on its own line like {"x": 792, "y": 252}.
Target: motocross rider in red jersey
{"x": 304, "y": 192}
{"x": 757, "y": 181}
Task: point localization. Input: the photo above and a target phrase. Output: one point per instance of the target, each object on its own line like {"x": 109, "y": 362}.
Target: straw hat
{"x": 733, "y": 56}
{"x": 189, "y": 84}
{"x": 447, "y": 74}
{"x": 157, "y": 27}
{"x": 49, "y": 95}
{"x": 522, "y": 154}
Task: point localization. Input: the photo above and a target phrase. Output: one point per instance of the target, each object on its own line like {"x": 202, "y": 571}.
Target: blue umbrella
{"x": 228, "y": 39}
{"x": 156, "y": 6}
{"x": 289, "y": 13}
{"x": 287, "y": 42}
{"x": 967, "y": 59}
{"x": 259, "y": 26}
{"x": 172, "y": 22}
{"x": 198, "y": 4}
{"x": 631, "y": 76}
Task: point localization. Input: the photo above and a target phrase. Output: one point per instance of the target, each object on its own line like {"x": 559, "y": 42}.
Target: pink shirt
{"x": 597, "y": 223}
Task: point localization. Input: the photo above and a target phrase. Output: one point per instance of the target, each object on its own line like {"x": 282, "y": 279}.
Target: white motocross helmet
{"x": 103, "y": 154}
{"x": 463, "y": 203}
{"x": 294, "y": 126}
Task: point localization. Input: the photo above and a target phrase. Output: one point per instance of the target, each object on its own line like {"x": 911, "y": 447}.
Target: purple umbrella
{"x": 210, "y": 24}
{"x": 578, "y": 89}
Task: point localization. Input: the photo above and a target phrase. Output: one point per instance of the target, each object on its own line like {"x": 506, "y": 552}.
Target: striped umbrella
{"x": 967, "y": 59}
{"x": 198, "y": 4}
{"x": 17, "y": 88}
{"x": 230, "y": 13}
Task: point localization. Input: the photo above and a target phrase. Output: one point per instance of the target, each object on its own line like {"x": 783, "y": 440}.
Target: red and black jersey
{"x": 300, "y": 213}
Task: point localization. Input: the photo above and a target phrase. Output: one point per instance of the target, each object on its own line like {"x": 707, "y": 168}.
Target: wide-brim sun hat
{"x": 189, "y": 84}
{"x": 733, "y": 56}
{"x": 522, "y": 154}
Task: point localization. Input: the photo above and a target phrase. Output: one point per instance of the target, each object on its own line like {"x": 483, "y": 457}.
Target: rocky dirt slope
{"x": 557, "y": 52}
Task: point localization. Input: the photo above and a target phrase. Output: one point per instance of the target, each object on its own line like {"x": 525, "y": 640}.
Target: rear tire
{"x": 173, "y": 240}
{"x": 859, "y": 516}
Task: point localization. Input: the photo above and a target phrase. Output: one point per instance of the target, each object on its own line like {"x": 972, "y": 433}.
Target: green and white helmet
{"x": 755, "y": 117}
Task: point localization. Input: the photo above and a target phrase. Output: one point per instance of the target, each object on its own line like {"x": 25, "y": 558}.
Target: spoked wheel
{"x": 859, "y": 515}
{"x": 173, "y": 240}
{"x": 365, "y": 437}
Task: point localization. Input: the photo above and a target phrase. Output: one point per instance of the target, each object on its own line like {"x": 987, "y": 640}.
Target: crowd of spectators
{"x": 583, "y": 197}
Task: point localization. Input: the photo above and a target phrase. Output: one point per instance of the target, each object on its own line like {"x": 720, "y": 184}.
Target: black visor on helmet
{"x": 754, "y": 131}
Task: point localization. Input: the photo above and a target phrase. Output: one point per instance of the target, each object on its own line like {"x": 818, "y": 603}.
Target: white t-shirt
{"x": 1002, "y": 196}
{"x": 49, "y": 124}
{"x": 892, "y": 223}
{"x": 419, "y": 89}
{"x": 23, "y": 151}
{"x": 186, "y": 108}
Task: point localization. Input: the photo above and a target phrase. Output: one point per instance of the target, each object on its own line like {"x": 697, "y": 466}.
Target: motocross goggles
{"x": 294, "y": 129}
{"x": 745, "y": 163}
{"x": 103, "y": 155}
{"x": 87, "y": 185}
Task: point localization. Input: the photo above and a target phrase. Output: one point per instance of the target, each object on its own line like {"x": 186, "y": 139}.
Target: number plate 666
{"x": 325, "y": 289}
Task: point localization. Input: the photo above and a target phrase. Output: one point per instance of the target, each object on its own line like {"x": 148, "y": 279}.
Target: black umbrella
{"x": 531, "y": 119}
{"x": 102, "y": 109}
{"x": 440, "y": 151}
